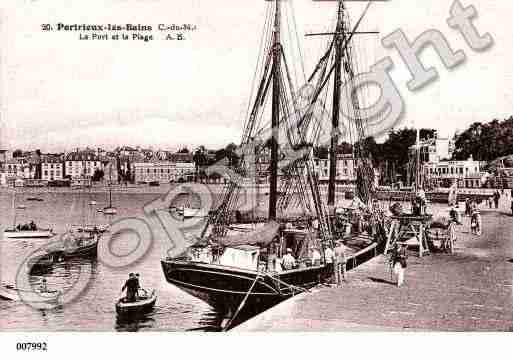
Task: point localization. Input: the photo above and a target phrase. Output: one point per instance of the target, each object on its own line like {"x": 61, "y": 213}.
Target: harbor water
{"x": 93, "y": 308}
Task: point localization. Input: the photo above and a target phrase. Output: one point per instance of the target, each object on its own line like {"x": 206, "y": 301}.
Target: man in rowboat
{"x": 132, "y": 287}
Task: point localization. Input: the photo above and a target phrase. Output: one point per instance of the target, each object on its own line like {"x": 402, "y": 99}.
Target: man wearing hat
{"x": 288, "y": 261}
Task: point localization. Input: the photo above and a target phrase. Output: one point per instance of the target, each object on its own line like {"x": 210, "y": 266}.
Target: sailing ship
{"x": 110, "y": 209}
{"x": 80, "y": 240}
{"x": 29, "y": 230}
{"x": 238, "y": 268}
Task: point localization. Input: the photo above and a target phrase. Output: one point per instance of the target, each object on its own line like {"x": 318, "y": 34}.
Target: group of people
{"x": 27, "y": 227}
{"x": 494, "y": 199}
{"x": 333, "y": 258}
{"x": 472, "y": 210}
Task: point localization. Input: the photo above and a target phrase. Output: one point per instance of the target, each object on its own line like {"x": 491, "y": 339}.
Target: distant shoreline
{"x": 131, "y": 188}
{"x": 166, "y": 187}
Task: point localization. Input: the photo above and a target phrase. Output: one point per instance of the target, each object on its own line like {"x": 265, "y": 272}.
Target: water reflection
{"x": 135, "y": 322}
{"x": 93, "y": 304}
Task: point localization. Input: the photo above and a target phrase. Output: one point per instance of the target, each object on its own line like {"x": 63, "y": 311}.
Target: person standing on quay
{"x": 467, "y": 207}
{"x": 340, "y": 264}
{"x": 496, "y": 197}
{"x": 475, "y": 219}
{"x": 329, "y": 257}
{"x": 399, "y": 262}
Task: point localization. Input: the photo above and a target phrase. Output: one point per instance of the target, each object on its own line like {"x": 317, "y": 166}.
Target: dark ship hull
{"x": 224, "y": 288}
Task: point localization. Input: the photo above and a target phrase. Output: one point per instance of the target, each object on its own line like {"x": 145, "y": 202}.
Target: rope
{"x": 293, "y": 287}
{"x": 241, "y": 305}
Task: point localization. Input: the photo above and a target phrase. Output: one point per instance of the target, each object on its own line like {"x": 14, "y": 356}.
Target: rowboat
{"x": 42, "y": 262}
{"x": 30, "y": 296}
{"x": 109, "y": 210}
{"x": 144, "y": 304}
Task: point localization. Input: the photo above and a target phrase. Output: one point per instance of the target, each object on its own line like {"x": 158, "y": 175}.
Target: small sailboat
{"x": 30, "y": 230}
{"x": 145, "y": 302}
{"x": 110, "y": 209}
{"x": 79, "y": 244}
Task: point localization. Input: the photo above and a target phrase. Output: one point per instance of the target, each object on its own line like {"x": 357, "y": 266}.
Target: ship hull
{"x": 88, "y": 251}
{"x": 28, "y": 234}
{"x": 224, "y": 288}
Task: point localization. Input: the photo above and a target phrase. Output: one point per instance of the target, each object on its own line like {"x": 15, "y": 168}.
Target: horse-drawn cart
{"x": 441, "y": 236}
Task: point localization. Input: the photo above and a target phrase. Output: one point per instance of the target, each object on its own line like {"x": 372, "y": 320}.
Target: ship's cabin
{"x": 242, "y": 256}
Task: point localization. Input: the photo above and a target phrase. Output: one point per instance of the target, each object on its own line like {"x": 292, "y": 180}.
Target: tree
{"x": 231, "y": 154}
{"x": 17, "y": 153}
{"x": 395, "y": 150}
{"x": 345, "y": 148}
{"x": 321, "y": 152}
{"x": 485, "y": 141}
{"x": 97, "y": 175}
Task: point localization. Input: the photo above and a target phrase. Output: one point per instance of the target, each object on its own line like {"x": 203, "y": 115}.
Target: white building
{"x": 19, "y": 168}
{"x": 184, "y": 171}
{"x": 467, "y": 174}
{"x": 52, "y": 168}
{"x": 81, "y": 164}
{"x": 346, "y": 168}
{"x": 14, "y": 168}
{"x": 163, "y": 171}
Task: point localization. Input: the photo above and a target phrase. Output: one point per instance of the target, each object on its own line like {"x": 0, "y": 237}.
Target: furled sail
{"x": 261, "y": 237}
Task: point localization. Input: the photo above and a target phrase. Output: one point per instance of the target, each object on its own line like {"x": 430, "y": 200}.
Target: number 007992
{"x": 28, "y": 346}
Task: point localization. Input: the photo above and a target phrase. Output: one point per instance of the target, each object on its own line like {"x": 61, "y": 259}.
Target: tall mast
{"x": 336, "y": 105}
{"x": 14, "y": 206}
{"x": 417, "y": 161}
{"x": 273, "y": 185}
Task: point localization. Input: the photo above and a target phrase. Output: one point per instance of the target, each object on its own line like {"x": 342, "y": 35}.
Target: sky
{"x": 58, "y": 92}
